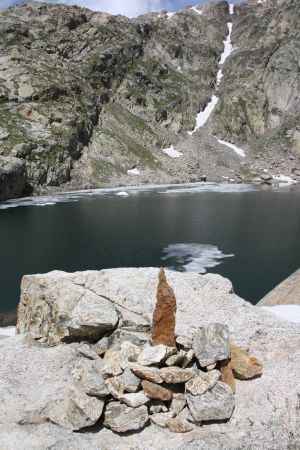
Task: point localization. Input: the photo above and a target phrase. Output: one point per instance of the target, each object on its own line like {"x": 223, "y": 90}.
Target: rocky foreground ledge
{"x": 52, "y": 395}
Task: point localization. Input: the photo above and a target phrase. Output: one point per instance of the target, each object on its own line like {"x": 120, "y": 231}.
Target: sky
{"x": 130, "y": 8}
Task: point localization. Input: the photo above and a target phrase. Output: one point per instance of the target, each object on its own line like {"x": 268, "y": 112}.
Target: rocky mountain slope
{"x": 86, "y": 97}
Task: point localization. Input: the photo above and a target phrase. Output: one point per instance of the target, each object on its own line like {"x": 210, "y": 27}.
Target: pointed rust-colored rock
{"x": 163, "y": 325}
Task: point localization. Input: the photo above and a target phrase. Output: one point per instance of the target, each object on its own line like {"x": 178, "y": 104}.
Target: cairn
{"x": 176, "y": 382}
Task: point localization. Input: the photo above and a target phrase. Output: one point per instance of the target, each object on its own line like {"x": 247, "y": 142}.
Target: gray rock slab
{"x": 211, "y": 344}
{"x": 130, "y": 381}
{"x": 39, "y": 384}
{"x": 215, "y": 404}
{"x": 121, "y": 418}
{"x": 59, "y": 309}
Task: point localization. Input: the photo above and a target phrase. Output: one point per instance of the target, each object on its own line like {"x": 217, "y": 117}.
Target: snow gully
{"x": 204, "y": 115}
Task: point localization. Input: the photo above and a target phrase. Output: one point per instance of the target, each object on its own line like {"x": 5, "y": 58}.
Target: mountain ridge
{"x": 86, "y": 97}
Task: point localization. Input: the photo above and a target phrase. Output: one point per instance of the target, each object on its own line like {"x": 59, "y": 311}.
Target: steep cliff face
{"x": 260, "y": 92}
{"x": 85, "y": 96}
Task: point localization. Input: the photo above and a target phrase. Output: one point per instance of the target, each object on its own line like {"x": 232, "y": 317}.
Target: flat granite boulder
{"x": 62, "y": 310}
{"x": 285, "y": 293}
{"x": 266, "y": 407}
{"x": 40, "y": 384}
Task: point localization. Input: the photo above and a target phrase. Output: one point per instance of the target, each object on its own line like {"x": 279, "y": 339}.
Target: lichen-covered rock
{"x": 121, "y": 418}
{"x": 215, "y": 404}
{"x": 211, "y": 344}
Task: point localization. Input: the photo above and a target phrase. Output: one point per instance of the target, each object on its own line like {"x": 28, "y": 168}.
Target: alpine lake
{"x": 250, "y": 235}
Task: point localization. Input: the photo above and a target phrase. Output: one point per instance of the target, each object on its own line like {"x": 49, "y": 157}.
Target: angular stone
{"x": 211, "y": 344}
{"x": 115, "y": 387}
{"x": 179, "y": 426}
{"x": 120, "y": 335}
{"x": 112, "y": 363}
{"x": 185, "y": 414}
{"x": 86, "y": 351}
{"x": 176, "y": 359}
{"x": 211, "y": 367}
{"x": 156, "y": 391}
{"x": 130, "y": 381}
{"x": 188, "y": 358}
{"x": 163, "y": 324}
{"x": 215, "y": 404}
{"x": 121, "y": 418}
{"x": 92, "y": 316}
{"x": 134, "y": 400}
{"x": 203, "y": 382}
{"x": 128, "y": 353}
{"x": 161, "y": 419}
{"x": 157, "y": 406}
{"x": 178, "y": 403}
{"x": 71, "y": 409}
{"x": 174, "y": 375}
{"x": 227, "y": 374}
{"x": 146, "y": 373}
{"x": 152, "y": 355}
{"x": 244, "y": 365}
{"x": 184, "y": 341}
{"x": 94, "y": 383}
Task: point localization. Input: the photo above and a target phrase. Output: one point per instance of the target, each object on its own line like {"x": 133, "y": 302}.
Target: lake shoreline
{"x": 59, "y": 196}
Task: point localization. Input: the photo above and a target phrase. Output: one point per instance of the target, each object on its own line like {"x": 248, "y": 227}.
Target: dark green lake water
{"x": 260, "y": 228}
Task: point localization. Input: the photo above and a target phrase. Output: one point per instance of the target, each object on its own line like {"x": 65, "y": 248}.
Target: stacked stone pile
{"x": 175, "y": 382}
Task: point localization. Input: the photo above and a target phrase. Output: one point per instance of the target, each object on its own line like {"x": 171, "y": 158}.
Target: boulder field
{"x": 83, "y": 370}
